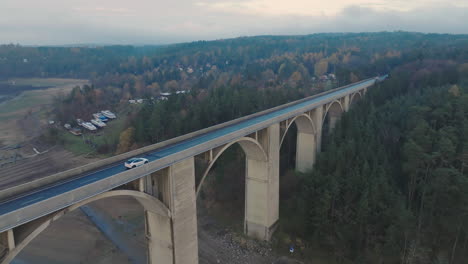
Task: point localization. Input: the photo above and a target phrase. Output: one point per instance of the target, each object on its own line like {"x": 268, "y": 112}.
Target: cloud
{"x": 158, "y": 21}
{"x": 316, "y": 7}
{"x": 105, "y": 11}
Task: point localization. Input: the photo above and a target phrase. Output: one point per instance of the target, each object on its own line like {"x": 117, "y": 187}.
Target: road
{"x": 116, "y": 168}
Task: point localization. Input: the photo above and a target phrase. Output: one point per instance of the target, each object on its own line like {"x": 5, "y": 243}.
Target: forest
{"x": 262, "y": 71}
{"x": 264, "y": 63}
{"x": 391, "y": 182}
{"x": 391, "y": 185}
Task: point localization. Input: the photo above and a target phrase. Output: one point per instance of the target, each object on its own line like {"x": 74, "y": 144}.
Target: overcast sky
{"x": 53, "y": 22}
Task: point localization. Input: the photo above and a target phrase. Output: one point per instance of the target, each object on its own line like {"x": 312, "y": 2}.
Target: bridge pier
{"x": 173, "y": 239}
{"x": 305, "y": 151}
{"x": 317, "y": 118}
{"x": 346, "y": 102}
{"x": 7, "y": 242}
{"x": 262, "y": 187}
{"x": 334, "y": 117}
{"x": 159, "y": 236}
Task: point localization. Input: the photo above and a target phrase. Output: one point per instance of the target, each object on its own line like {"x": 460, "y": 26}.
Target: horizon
{"x": 87, "y": 45}
{"x": 148, "y": 22}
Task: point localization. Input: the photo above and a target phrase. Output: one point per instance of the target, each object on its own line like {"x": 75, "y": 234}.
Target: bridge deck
{"x": 34, "y": 197}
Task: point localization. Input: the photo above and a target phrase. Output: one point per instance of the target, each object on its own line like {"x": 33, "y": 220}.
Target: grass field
{"x": 32, "y": 102}
{"x": 36, "y": 98}
{"x": 44, "y": 82}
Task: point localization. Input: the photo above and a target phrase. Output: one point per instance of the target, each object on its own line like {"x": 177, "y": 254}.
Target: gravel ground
{"x": 217, "y": 244}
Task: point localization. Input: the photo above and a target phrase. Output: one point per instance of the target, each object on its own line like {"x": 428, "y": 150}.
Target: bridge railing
{"x": 51, "y": 180}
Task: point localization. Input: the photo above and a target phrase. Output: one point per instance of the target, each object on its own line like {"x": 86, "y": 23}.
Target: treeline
{"x": 391, "y": 185}
{"x": 223, "y": 97}
{"x": 267, "y": 62}
{"x": 69, "y": 62}
{"x": 179, "y": 115}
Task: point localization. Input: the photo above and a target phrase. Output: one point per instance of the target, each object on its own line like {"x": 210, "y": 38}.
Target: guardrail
{"x": 48, "y": 181}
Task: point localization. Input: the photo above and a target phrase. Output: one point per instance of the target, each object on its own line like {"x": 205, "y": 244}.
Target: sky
{"x": 58, "y": 22}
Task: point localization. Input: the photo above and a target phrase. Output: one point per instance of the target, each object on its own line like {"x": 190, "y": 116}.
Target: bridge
{"x": 166, "y": 186}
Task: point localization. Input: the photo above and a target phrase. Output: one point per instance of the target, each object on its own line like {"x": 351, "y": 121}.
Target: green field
{"x": 34, "y": 99}
{"x": 44, "y": 82}
{"x": 105, "y": 136}
{"x": 34, "y": 103}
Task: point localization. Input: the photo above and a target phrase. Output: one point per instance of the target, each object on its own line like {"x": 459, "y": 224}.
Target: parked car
{"x": 98, "y": 123}
{"x": 88, "y": 126}
{"x": 100, "y": 117}
{"x": 135, "y": 162}
{"x": 108, "y": 114}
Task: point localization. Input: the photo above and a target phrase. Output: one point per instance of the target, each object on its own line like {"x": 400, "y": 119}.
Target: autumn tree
{"x": 126, "y": 140}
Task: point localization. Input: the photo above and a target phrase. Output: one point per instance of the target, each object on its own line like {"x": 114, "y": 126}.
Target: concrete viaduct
{"x": 166, "y": 186}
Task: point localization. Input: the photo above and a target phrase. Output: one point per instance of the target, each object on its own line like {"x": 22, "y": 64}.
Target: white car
{"x": 98, "y": 123}
{"x": 135, "y": 162}
{"x": 108, "y": 114}
{"x": 88, "y": 126}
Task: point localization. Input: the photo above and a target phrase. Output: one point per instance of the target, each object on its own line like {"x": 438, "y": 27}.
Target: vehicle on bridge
{"x": 135, "y": 162}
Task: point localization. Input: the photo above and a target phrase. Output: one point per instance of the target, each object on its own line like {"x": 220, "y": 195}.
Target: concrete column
{"x": 3, "y": 243}
{"x": 7, "y": 244}
{"x": 346, "y": 102}
{"x": 173, "y": 240}
{"x": 262, "y": 187}
{"x": 317, "y": 117}
{"x": 334, "y": 113}
{"x": 305, "y": 151}
{"x": 11, "y": 239}
{"x": 333, "y": 119}
{"x": 181, "y": 186}
{"x": 158, "y": 234}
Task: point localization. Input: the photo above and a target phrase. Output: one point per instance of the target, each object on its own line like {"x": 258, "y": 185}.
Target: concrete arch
{"x": 252, "y": 149}
{"x": 334, "y": 107}
{"x": 148, "y": 202}
{"x": 353, "y": 95}
{"x": 304, "y": 124}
